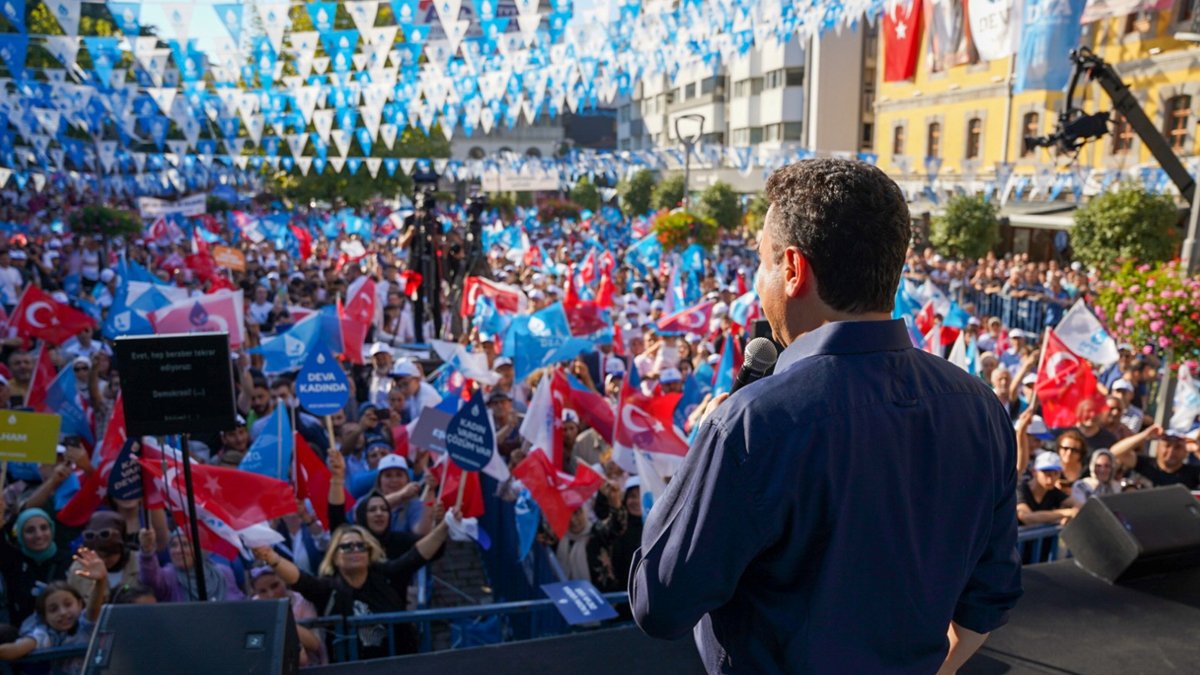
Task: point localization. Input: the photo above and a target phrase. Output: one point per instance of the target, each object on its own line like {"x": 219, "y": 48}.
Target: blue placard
{"x": 579, "y": 602}
{"x": 322, "y": 387}
{"x": 125, "y": 479}
{"x": 469, "y": 436}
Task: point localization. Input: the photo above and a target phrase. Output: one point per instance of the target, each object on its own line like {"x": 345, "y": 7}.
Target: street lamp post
{"x": 689, "y": 142}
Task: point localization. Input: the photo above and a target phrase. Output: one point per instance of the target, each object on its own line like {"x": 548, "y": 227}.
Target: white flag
{"x": 1187, "y": 402}
{"x": 995, "y": 27}
{"x": 958, "y": 353}
{"x": 1083, "y": 334}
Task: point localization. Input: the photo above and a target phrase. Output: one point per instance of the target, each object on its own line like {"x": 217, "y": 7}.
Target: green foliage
{"x": 719, "y": 203}
{"x": 585, "y": 194}
{"x": 636, "y": 193}
{"x": 104, "y": 221}
{"x": 668, "y": 194}
{"x": 969, "y": 228}
{"x": 1153, "y": 305}
{"x": 1128, "y": 224}
{"x": 504, "y": 203}
{"x": 524, "y": 200}
{"x": 557, "y": 209}
{"x": 216, "y": 204}
{"x": 756, "y": 213}
{"x": 678, "y": 229}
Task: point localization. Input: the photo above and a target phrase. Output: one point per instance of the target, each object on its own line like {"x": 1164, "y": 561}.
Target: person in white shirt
{"x": 83, "y": 345}
{"x": 11, "y": 282}
{"x": 418, "y": 393}
{"x": 260, "y": 308}
{"x": 380, "y": 382}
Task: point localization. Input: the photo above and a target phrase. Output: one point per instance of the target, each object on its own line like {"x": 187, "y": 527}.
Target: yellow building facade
{"x": 968, "y": 117}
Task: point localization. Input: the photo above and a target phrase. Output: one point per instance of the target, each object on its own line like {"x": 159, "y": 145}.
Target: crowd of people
{"x": 361, "y": 560}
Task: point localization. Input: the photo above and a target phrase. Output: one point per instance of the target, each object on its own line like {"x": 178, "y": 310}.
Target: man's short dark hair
{"x": 852, "y": 224}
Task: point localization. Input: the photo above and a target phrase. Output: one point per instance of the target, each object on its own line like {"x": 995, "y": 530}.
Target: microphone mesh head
{"x": 760, "y": 354}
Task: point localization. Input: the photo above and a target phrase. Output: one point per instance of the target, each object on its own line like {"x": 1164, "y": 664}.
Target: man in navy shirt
{"x": 855, "y": 512}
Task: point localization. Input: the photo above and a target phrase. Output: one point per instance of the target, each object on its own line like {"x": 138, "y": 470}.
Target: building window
{"x": 772, "y": 132}
{"x": 688, "y": 92}
{"x": 868, "y": 135}
{"x": 974, "y": 136}
{"x": 933, "y": 140}
{"x": 784, "y": 77}
{"x": 747, "y": 136}
{"x": 1031, "y": 124}
{"x": 1175, "y": 123}
{"x": 792, "y": 131}
{"x": 751, "y": 86}
{"x": 1185, "y": 11}
{"x": 897, "y": 141}
{"x": 1122, "y": 134}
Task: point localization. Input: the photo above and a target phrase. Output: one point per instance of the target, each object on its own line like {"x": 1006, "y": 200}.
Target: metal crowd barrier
{"x": 1038, "y": 543}
{"x": 1024, "y": 313}
{"x": 345, "y": 628}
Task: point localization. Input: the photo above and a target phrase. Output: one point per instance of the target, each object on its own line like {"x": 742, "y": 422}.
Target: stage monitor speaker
{"x": 195, "y": 637}
{"x": 1136, "y": 534}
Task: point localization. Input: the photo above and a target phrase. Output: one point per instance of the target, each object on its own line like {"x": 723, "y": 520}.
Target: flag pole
{"x": 462, "y": 485}
{"x": 279, "y": 439}
{"x": 442, "y": 484}
{"x": 194, "y": 526}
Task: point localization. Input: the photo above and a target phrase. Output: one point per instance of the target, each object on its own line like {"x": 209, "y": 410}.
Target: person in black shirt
{"x": 1167, "y": 467}
{"x": 356, "y": 579}
{"x": 1039, "y": 501}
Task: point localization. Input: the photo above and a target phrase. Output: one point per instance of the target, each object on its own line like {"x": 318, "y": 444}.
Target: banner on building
{"x": 995, "y": 27}
{"x": 1050, "y": 30}
{"x": 192, "y": 205}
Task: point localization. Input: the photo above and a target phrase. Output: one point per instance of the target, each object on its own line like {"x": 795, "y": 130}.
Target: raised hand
{"x": 148, "y": 541}
{"x": 337, "y": 464}
{"x": 92, "y": 566}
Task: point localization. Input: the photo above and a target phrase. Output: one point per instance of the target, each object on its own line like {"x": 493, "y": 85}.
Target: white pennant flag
{"x": 363, "y": 12}
{"x": 1187, "y": 402}
{"x": 1083, "y": 334}
{"x": 179, "y": 18}
{"x": 66, "y": 12}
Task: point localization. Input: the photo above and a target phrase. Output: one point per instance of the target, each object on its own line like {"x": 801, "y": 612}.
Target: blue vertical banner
{"x": 1051, "y": 29}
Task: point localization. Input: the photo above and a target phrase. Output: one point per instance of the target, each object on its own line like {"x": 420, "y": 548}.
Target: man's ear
{"x": 795, "y": 272}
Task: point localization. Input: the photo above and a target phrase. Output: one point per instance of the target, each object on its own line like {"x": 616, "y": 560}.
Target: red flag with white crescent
{"x": 1064, "y": 382}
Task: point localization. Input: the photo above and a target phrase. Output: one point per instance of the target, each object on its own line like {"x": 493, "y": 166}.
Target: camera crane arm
{"x": 1075, "y": 127}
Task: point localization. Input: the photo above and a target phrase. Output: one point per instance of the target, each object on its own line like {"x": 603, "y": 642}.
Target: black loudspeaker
{"x": 195, "y": 637}
{"x": 1136, "y": 534}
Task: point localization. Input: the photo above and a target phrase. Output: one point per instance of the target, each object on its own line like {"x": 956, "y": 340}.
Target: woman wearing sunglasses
{"x": 357, "y": 579}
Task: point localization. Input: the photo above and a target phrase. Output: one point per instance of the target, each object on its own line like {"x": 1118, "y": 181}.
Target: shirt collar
{"x": 847, "y": 337}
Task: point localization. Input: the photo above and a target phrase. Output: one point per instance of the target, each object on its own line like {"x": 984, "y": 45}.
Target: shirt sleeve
{"x": 315, "y": 590}
{"x": 700, "y": 537}
{"x": 994, "y": 586}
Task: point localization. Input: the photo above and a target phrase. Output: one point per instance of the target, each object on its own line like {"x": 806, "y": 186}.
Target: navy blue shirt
{"x": 836, "y": 516}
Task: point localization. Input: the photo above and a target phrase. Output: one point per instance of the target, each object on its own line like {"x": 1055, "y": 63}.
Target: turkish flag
{"x": 901, "y": 41}
{"x": 587, "y": 271}
{"x": 360, "y": 301}
{"x": 312, "y": 481}
{"x": 94, "y": 487}
{"x": 41, "y": 316}
{"x": 558, "y": 494}
{"x": 691, "y": 320}
{"x": 39, "y": 384}
{"x": 303, "y": 241}
{"x": 472, "y": 503}
{"x": 648, "y": 423}
{"x": 1064, "y": 381}
{"x": 604, "y": 294}
{"x": 592, "y": 408}
{"x": 507, "y": 298}
{"x": 238, "y": 498}
{"x": 926, "y": 318}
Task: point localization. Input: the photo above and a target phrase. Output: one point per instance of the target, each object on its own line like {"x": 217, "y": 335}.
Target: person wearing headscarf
{"x": 105, "y": 534}
{"x": 616, "y": 535}
{"x": 176, "y": 582}
{"x": 30, "y": 559}
{"x": 372, "y": 511}
{"x": 1101, "y": 479}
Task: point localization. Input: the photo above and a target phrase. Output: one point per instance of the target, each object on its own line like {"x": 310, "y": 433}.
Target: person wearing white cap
{"x": 1132, "y": 416}
{"x": 1169, "y": 464}
{"x": 1011, "y": 357}
{"x": 10, "y": 280}
{"x": 1039, "y": 501}
{"x": 671, "y": 380}
{"x": 407, "y": 377}
{"x": 380, "y": 381}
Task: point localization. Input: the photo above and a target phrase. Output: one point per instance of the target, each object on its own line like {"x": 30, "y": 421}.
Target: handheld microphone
{"x": 759, "y": 357}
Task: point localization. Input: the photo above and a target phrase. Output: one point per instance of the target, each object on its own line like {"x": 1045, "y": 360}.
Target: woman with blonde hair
{"x": 356, "y": 579}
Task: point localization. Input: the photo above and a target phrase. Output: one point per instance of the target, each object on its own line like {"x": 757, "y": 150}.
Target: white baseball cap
{"x": 404, "y": 368}
{"x": 392, "y": 461}
{"x": 670, "y": 376}
{"x": 500, "y": 362}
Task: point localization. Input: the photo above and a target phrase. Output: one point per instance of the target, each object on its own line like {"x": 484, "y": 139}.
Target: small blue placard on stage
{"x": 322, "y": 387}
{"x": 579, "y": 602}
{"x": 125, "y": 479}
{"x": 469, "y": 436}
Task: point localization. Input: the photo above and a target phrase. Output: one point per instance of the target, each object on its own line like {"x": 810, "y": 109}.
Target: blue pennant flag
{"x": 271, "y": 452}
{"x": 692, "y": 395}
{"x": 956, "y": 317}
{"x": 531, "y": 338}
{"x": 528, "y": 516}
{"x": 723, "y": 383}
{"x": 288, "y": 351}
{"x": 63, "y": 398}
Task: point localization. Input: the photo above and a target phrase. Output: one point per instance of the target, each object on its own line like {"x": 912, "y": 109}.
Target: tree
{"x": 969, "y": 227}
{"x": 1128, "y": 224}
{"x": 668, "y": 194}
{"x": 636, "y": 193}
{"x": 756, "y": 213}
{"x": 676, "y": 230}
{"x": 722, "y": 205}
{"x": 585, "y": 194}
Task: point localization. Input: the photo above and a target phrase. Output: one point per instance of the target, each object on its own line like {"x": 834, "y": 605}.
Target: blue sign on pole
{"x": 469, "y": 436}
{"x": 579, "y": 602}
{"x": 322, "y": 387}
{"x": 125, "y": 480}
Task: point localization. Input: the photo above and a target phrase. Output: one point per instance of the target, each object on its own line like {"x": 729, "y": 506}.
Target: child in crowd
{"x": 61, "y": 620}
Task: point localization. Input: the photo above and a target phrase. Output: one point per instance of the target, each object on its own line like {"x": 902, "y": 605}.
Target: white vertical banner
{"x": 995, "y": 27}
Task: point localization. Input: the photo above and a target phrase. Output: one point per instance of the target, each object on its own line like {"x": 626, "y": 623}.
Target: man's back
{"x": 836, "y": 516}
